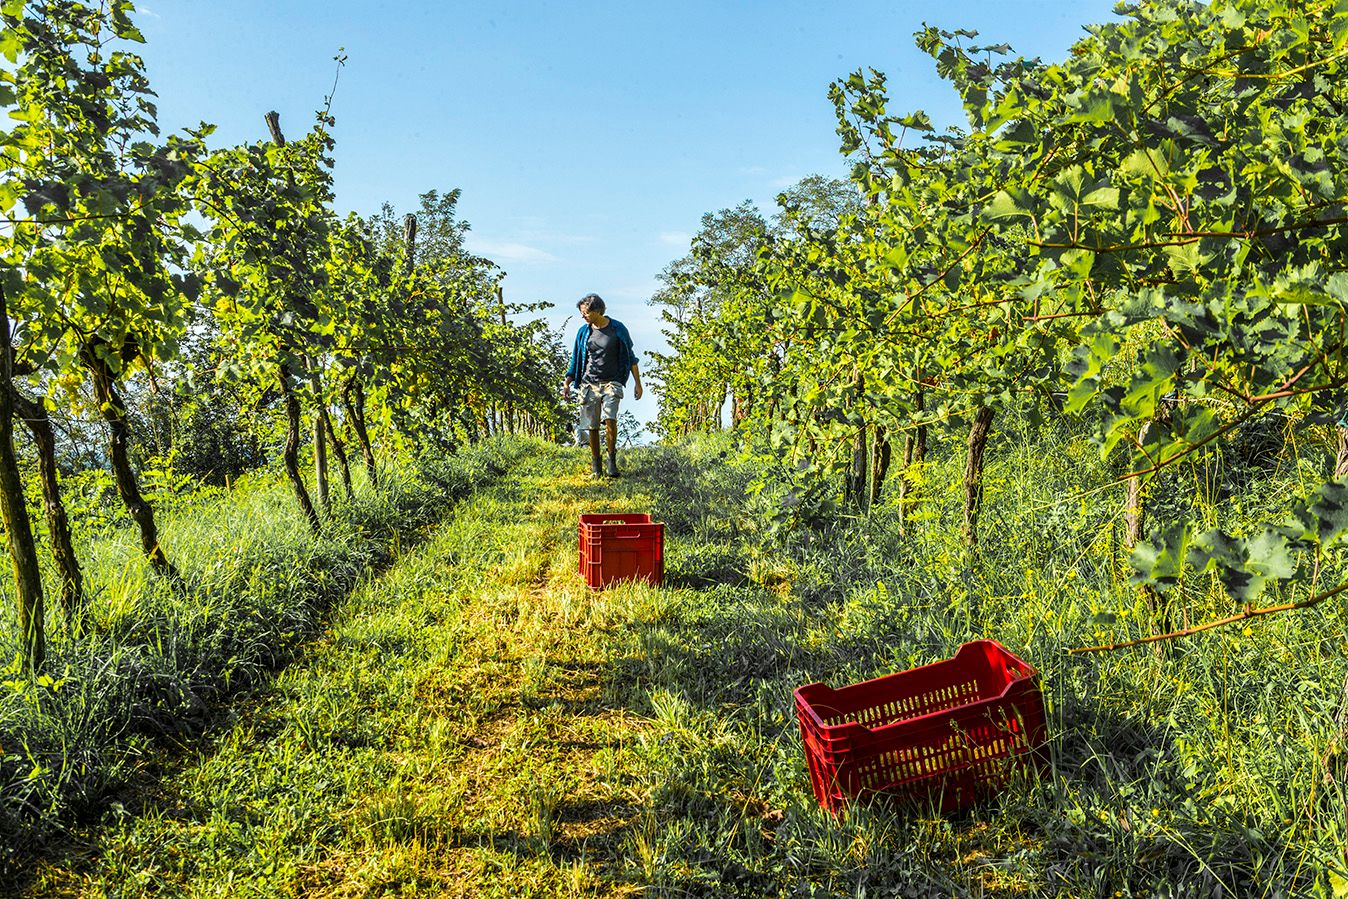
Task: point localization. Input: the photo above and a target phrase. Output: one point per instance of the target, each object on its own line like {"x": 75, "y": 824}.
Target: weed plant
{"x": 150, "y": 661}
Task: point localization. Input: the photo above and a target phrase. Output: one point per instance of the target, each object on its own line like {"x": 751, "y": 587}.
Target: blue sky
{"x": 588, "y": 137}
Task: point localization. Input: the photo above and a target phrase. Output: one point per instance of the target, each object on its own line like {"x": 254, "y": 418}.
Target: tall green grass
{"x": 435, "y": 740}
{"x": 481, "y": 719}
{"x": 1213, "y": 765}
{"x": 151, "y": 660}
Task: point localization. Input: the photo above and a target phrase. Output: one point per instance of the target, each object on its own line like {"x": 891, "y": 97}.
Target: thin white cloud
{"x": 558, "y": 238}
{"x": 539, "y": 230}
{"x": 510, "y": 252}
{"x": 675, "y": 238}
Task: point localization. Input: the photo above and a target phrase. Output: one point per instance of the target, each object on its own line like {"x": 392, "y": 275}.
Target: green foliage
{"x": 1180, "y": 169}
{"x": 1170, "y": 194}
{"x": 102, "y": 275}
{"x": 267, "y": 251}
{"x": 209, "y": 428}
{"x": 93, "y": 262}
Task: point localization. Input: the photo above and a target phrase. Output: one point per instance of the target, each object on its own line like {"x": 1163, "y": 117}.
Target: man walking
{"x": 601, "y": 360}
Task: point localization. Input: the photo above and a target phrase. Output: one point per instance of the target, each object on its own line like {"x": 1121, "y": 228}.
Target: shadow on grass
{"x": 732, "y": 652}
{"x": 1123, "y": 808}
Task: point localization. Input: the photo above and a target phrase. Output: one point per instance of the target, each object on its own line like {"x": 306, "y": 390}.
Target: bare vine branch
{"x": 1220, "y": 622}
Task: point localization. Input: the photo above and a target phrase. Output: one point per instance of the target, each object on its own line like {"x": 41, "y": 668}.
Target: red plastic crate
{"x": 953, "y": 731}
{"x": 621, "y": 547}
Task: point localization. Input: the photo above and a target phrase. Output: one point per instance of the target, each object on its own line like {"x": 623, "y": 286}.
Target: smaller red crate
{"x": 953, "y": 731}
{"x": 621, "y": 547}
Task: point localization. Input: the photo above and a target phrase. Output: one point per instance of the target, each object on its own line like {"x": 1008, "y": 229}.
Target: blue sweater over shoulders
{"x": 581, "y": 351}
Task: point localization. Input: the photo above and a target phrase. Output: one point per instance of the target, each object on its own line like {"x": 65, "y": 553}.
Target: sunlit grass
{"x": 1172, "y": 770}
{"x": 437, "y": 737}
{"x": 475, "y": 721}
{"x": 152, "y": 659}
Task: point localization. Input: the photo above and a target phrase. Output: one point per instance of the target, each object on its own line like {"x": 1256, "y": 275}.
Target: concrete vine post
{"x": 509, "y": 406}
{"x": 914, "y": 453}
{"x": 338, "y": 450}
{"x": 320, "y": 436}
{"x": 857, "y": 483}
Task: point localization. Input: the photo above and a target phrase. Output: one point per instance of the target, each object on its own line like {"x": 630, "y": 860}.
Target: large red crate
{"x": 621, "y": 547}
{"x": 953, "y": 731}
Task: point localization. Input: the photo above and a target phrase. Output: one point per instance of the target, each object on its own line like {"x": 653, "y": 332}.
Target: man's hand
{"x": 566, "y": 392}
{"x": 637, "y": 392}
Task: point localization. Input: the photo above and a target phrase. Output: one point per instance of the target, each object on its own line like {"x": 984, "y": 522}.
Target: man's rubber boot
{"x": 595, "y": 470}
{"x": 612, "y": 468}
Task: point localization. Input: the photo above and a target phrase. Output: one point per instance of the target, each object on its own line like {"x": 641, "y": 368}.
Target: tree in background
{"x": 629, "y": 429}
{"x": 710, "y": 306}
{"x": 438, "y": 235}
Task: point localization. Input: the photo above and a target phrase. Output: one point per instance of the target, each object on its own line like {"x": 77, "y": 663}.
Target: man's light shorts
{"x": 599, "y": 402}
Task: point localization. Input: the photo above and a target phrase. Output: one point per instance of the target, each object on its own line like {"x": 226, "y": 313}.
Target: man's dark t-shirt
{"x": 603, "y": 363}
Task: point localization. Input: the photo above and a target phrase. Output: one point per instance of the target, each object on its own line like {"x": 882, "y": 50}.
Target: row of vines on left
{"x": 121, "y": 251}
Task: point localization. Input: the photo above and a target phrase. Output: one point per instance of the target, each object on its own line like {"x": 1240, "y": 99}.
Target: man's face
{"x": 591, "y": 315}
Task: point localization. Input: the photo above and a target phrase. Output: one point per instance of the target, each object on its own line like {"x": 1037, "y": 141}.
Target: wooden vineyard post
{"x": 34, "y": 415}
{"x": 973, "y": 473}
{"x": 290, "y": 455}
{"x": 14, "y": 512}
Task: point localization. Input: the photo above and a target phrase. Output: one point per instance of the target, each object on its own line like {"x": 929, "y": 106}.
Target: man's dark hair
{"x": 591, "y": 301}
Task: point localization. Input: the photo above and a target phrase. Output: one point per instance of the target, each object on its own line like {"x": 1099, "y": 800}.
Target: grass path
{"x": 457, "y": 732}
